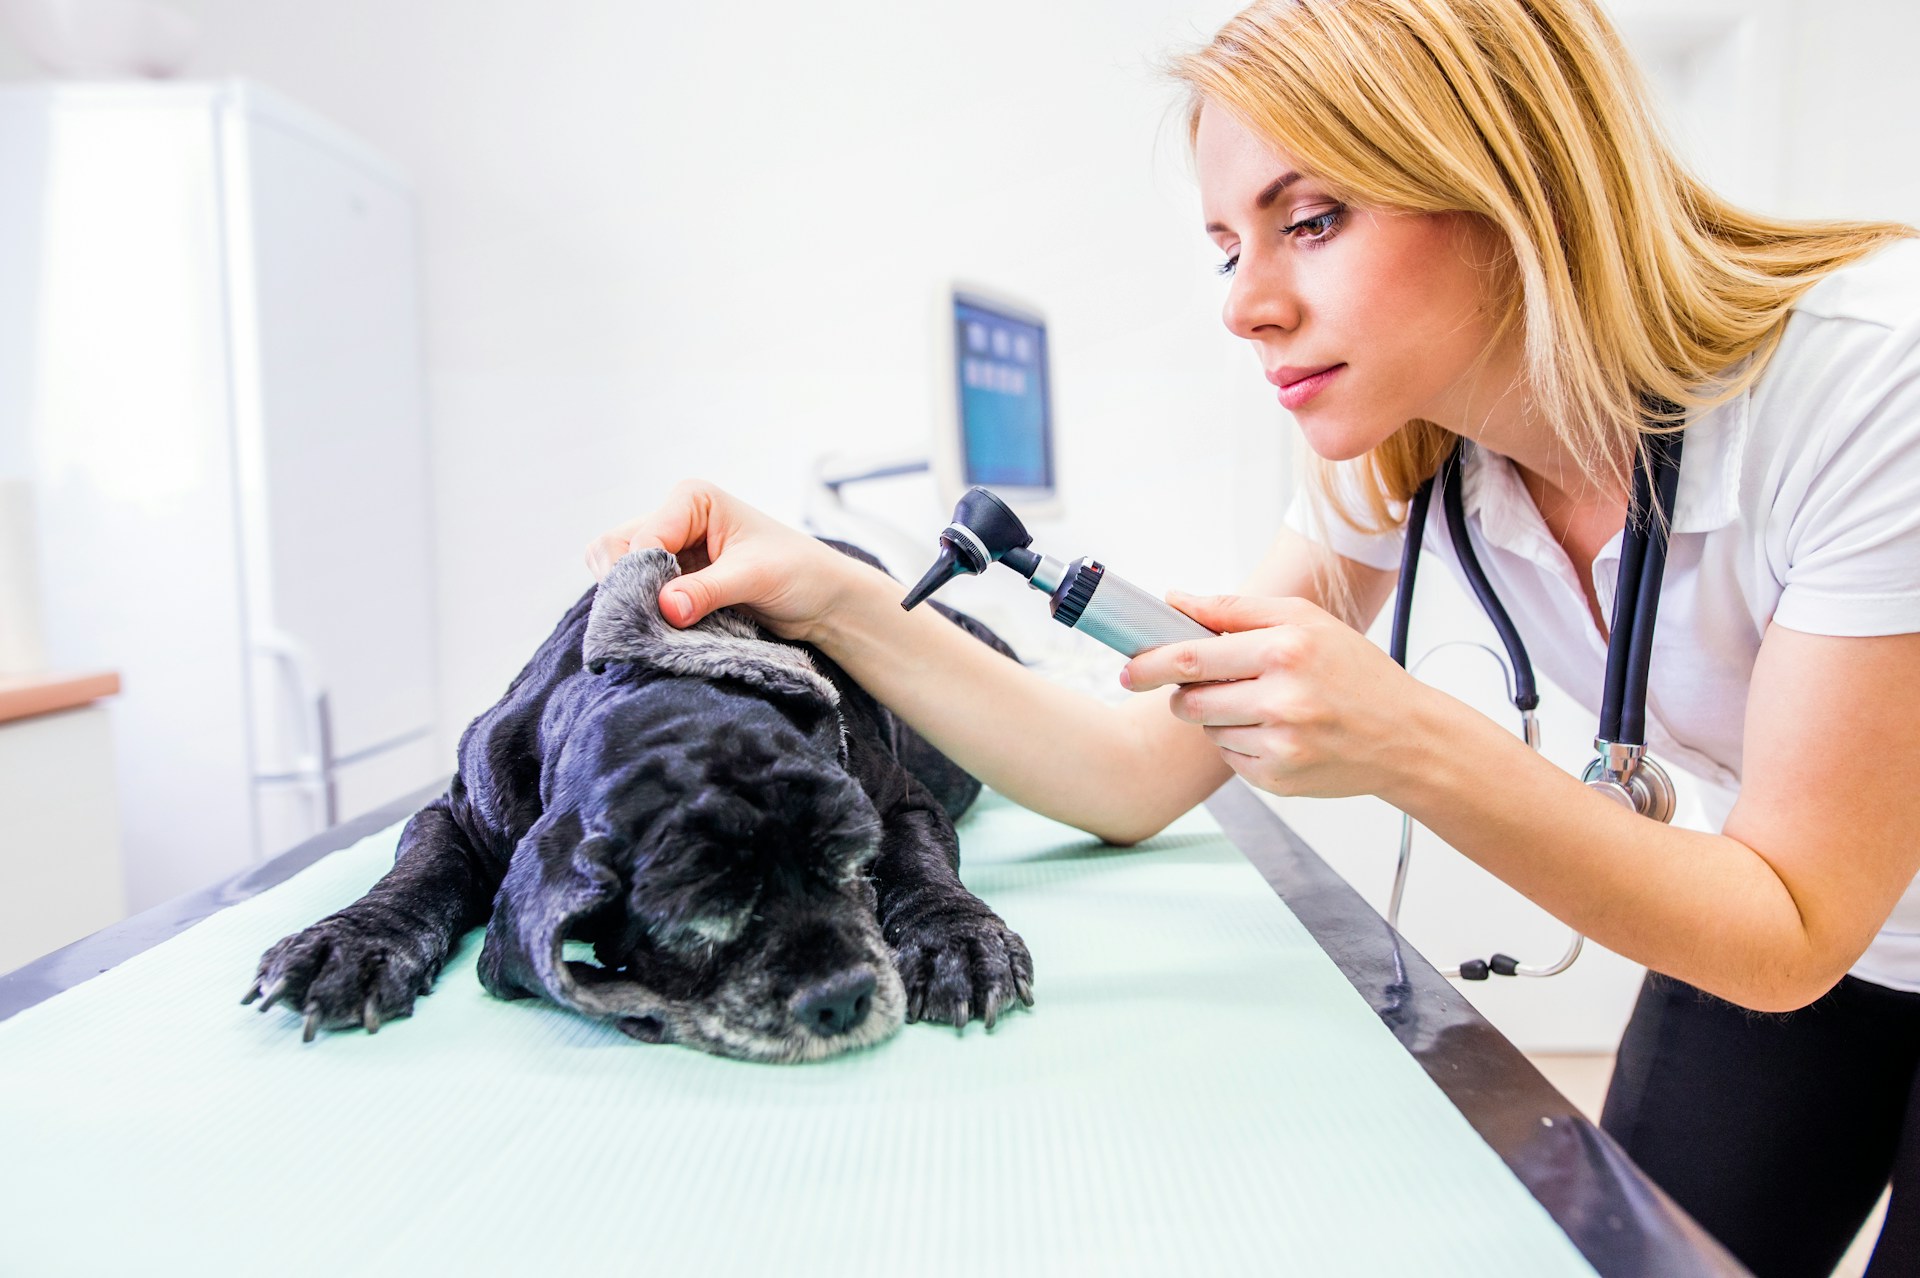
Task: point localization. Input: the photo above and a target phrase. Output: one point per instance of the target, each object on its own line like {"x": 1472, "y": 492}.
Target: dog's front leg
{"x": 956, "y": 957}
{"x": 368, "y": 962}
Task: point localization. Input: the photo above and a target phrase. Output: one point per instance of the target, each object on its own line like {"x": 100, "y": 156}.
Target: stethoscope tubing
{"x": 1526, "y": 694}
{"x": 1623, "y": 709}
{"x": 1636, "y": 604}
{"x": 1643, "y": 562}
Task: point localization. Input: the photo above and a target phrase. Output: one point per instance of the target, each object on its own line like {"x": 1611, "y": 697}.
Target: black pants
{"x": 1778, "y": 1132}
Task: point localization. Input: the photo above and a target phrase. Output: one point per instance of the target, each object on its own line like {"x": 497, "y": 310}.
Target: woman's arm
{"x": 1118, "y": 772}
{"x": 1769, "y": 914}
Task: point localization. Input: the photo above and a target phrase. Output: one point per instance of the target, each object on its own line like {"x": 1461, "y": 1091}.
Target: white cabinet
{"x": 60, "y": 876}
{"x": 210, "y": 352}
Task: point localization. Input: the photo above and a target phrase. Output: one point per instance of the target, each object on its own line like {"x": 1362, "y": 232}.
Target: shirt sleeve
{"x": 1312, "y": 517}
{"x": 1851, "y": 506}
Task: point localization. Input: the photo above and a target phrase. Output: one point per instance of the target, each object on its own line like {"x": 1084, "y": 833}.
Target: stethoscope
{"x": 1622, "y": 770}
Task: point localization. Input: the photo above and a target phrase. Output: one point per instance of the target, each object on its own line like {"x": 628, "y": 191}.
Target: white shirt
{"x": 1798, "y": 502}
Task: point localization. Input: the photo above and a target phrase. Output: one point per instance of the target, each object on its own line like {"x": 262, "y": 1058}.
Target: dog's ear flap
{"x": 624, "y": 624}
{"x": 556, "y": 878}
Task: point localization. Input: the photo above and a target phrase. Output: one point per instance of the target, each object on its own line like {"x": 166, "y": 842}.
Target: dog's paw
{"x": 346, "y": 970}
{"x": 962, "y": 962}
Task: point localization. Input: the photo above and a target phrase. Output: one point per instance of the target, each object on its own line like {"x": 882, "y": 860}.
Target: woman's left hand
{"x": 1298, "y": 702}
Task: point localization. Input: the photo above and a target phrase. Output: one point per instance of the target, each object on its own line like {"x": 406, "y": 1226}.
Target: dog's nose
{"x": 835, "y": 1006}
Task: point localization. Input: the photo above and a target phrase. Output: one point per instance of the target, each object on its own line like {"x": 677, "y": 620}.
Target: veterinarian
{"x": 1453, "y": 220}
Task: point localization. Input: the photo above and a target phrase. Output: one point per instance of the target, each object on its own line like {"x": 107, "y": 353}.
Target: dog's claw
{"x": 1024, "y": 989}
{"x": 272, "y": 993}
{"x": 370, "y": 1015}
{"x": 253, "y": 992}
{"x": 987, "y": 1018}
{"x": 312, "y": 1026}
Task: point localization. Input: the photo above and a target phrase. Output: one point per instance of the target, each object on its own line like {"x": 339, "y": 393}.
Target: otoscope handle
{"x": 1118, "y": 613}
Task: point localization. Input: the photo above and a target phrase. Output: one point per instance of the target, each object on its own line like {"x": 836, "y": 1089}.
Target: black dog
{"x": 762, "y": 857}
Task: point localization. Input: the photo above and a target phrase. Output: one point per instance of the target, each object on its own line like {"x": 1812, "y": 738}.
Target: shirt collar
{"x": 1707, "y": 497}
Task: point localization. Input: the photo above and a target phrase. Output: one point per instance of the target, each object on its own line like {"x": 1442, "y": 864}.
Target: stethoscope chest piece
{"x": 1631, "y": 777}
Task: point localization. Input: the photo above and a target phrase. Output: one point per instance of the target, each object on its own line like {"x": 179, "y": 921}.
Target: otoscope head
{"x": 991, "y": 521}
{"x": 983, "y": 530}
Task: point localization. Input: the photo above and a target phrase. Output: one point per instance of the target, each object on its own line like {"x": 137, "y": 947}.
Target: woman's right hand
{"x": 731, "y": 553}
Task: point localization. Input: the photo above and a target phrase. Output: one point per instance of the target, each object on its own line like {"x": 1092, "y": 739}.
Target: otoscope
{"x": 1082, "y": 595}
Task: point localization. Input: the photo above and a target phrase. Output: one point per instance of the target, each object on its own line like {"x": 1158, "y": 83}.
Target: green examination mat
{"x": 1198, "y": 1090}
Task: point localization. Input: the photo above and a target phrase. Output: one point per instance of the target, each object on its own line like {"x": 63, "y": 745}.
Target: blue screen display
{"x": 1005, "y": 424}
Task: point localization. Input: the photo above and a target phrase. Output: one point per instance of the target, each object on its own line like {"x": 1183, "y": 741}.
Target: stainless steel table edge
{"x": 1621, "y": 1222}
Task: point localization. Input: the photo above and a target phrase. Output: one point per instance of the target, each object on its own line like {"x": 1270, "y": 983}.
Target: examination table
{"x": 1232, "y": 1067}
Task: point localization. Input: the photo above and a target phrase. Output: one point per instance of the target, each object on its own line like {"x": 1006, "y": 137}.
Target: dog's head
{"x": 705, "y": 837}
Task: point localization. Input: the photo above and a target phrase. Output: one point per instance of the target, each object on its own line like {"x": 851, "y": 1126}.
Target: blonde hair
{"x": 1633, "y": 279}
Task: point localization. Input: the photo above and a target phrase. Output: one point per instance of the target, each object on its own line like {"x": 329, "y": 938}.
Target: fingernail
{"x": 1126, "y": 679}
{"x": 677, "y": 606}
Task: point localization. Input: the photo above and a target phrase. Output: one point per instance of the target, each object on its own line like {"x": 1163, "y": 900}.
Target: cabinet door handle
{"x": 315, "y": 762}
{"x": 329, "y": 784}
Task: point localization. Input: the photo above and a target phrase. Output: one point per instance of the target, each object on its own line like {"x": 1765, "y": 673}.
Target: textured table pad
{"x": 1198, "y": 1090}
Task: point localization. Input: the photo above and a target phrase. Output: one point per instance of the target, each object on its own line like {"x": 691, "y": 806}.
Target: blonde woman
{"x": 1451, "y": 220}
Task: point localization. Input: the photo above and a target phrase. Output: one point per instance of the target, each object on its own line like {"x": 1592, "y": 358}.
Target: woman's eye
{"x": 1317, "y": 229}
{"x": 1321, "y": 226}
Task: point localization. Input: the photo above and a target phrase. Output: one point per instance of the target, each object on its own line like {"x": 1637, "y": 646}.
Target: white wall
{"x": 672, "y": 240}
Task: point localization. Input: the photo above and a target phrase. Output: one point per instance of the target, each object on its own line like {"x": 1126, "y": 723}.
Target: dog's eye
{"x": 718, "y": 929}
{"x": 856, "y": 859}
{"x": 717, "y": 919}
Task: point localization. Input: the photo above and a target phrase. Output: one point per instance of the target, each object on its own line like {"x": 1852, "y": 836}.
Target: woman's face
{"x": 1362, "y": 318}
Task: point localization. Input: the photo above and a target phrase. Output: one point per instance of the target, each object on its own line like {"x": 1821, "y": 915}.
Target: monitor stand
{"x": 900, "y": 536}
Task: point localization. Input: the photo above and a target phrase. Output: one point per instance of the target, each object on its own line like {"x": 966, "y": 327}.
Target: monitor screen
{"x": 1006, "y": 420}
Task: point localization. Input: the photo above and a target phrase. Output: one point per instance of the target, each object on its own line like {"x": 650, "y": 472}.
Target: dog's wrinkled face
{"x": 703, "y": 833}
{"x": 723, "y": 885}
{"x": 750, "y": 913}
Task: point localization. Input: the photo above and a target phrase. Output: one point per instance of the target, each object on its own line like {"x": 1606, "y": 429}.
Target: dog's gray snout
{"x": 836, "y": 1006}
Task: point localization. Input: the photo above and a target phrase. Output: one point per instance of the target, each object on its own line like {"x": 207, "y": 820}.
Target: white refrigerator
{"x": 210, "y": 372}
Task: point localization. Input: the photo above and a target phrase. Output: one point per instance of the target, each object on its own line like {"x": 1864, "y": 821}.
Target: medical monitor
{"x": 1002, "y": 435}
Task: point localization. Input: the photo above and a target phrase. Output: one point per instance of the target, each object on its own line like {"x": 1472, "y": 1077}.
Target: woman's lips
{"x": 1298, "y": 385}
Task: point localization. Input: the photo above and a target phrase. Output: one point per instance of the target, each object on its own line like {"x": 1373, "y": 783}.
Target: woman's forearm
{"x": 1062, "y": 753}
{"x": 1702, "y": 907}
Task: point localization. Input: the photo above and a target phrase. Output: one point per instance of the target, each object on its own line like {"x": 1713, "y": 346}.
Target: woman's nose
{"x": 1260, "y": 301}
